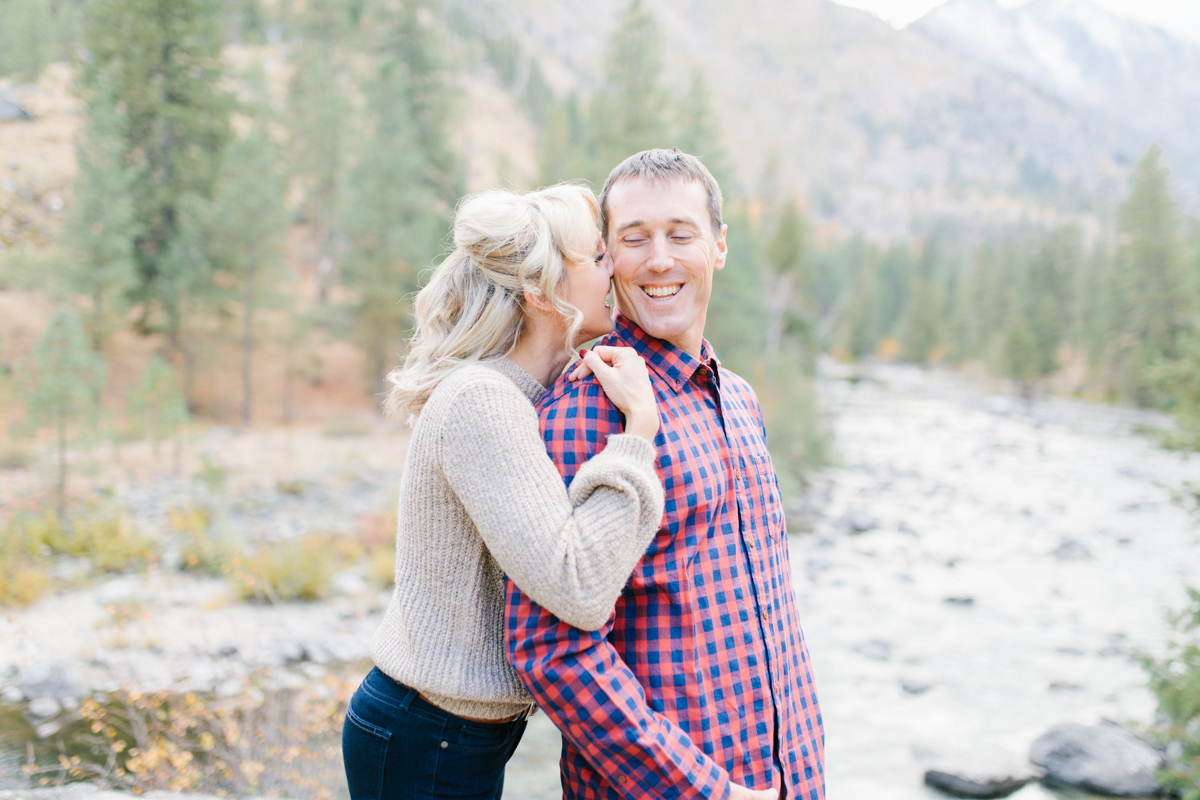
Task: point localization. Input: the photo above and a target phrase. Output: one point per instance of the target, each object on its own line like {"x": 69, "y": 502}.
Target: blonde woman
{"x": 442, "y": 711}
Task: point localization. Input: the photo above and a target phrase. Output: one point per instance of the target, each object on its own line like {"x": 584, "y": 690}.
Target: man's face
{"x": 664, "y": 253}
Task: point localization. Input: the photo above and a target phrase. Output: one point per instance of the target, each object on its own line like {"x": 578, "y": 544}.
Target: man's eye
{"x": 634, "y": 241}
{"x": 683, "y": 238}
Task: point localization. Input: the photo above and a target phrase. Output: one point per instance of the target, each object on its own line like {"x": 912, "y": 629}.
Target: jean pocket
{"x": 364, "y": 752}
{"x": 482, "y": 738}
{"x": 472, "y": 759}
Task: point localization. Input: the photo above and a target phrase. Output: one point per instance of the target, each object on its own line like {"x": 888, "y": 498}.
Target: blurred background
{"x": 964, "y": 278}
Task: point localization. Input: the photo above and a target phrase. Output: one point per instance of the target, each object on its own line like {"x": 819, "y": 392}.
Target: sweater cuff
{"x": 633, "y": 447}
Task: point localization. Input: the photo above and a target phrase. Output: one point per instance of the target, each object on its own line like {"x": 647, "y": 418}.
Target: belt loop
{"x": 407, "y": 695}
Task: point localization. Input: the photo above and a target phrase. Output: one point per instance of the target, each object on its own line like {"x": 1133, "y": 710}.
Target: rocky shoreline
{"x": 978, "y": 571}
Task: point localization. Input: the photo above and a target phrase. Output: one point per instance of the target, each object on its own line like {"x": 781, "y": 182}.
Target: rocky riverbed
{"x": 978, "y": 570}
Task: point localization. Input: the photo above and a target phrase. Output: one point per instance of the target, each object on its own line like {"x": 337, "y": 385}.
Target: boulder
{"x": 973, "y": 785}
{"x": 856, "y": 520}
{"x": 10, "y": 111}
{"x": 54, "y": 678}
{"x": 1071, "y": 550}
{"x": 1097, "y": 758}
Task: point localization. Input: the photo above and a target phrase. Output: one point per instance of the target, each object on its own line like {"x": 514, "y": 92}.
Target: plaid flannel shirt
{"x": 701, "y": 676}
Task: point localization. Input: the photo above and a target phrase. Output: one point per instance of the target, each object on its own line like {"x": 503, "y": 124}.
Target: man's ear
{"x": 722, "y": 248}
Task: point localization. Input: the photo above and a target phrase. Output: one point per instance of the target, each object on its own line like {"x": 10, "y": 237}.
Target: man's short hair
{"x": 664, "y": 165}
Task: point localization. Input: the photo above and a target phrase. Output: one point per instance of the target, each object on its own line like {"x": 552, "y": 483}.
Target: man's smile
{"x": 663, "y": 291}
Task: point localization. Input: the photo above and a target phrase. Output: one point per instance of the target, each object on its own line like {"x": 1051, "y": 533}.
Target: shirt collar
{"x": 672, "y": 364}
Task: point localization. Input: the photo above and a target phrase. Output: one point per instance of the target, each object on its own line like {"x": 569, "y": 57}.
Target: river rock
{"x": 1097, "y": 758}
{"x": 87, "y": 791}
{"x": 44, "y": 707}
{"x": 1071, "y": 550}
{"x": 856, "y": 520}
{"x": 974, "y": 785}
{"x": 11, "y": 111}
{"x": 54, "y": 678}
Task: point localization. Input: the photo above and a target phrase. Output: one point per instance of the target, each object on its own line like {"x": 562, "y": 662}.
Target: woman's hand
{"x": 739, "y": 792}
{"x": 623, "y": 375}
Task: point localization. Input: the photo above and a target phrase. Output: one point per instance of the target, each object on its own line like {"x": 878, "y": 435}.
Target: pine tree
{"x": 1152, "y": 283}
{"x": 410, "y": 47}
{"x": 187, "y": 280}
{"x": 921, "y": 327}
{"x": 699, "y": 132}
{"x": 164, "y": 60}
{"x": 392, "y": 221}
{"x": 249, "y": 223}
{"x": 563, "y": 149}
{"x": 318, "y": 111}
{"x": 102, "y": 226}
{"x": 157, "y": 404}
{"x": 789, "y": 287}
{"x": 631, "y": 113}
{"x": 26, "y": 37}
{"x": 539, "y": 100}
{"x": 66, "y": 377}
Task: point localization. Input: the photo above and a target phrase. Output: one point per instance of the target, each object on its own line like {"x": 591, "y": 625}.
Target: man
{"x": 700, "y": 685}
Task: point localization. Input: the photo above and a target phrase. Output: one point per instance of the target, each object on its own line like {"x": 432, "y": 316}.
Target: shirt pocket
{"x": 761, "y": 489}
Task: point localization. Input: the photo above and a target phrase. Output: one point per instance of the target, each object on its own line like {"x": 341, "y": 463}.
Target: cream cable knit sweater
{"x": 480, "y": 498}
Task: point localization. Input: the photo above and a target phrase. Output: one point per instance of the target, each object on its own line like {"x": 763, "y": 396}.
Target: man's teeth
{"x": 662, "y": 291}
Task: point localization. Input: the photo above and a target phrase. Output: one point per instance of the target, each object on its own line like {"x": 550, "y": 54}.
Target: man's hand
{"x": 739, "y": 792}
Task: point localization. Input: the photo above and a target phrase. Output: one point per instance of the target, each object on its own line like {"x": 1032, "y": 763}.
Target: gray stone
{"x": 44, "y": 707}
{"x": 10, "y": 111}
{"x": 1071, "y": 550}
{"x": 51, "y": 677}
{"x": 856, "y": 520}
{"x": 1097, "y": 758}
{"x": 876, "y": 650}
{"x": 974, "y": 786}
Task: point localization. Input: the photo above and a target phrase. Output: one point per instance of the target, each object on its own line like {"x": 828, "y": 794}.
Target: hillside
{"x": 886, "y": 131}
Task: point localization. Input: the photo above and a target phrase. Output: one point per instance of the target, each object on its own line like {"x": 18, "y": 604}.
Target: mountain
{"x": 1129, "y": 75}
{"x": 887, "y": 131}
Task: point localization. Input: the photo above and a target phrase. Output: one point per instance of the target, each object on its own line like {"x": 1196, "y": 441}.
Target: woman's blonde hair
{"x": 506, "y": 245}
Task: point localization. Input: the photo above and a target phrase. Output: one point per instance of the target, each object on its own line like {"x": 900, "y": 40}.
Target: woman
{"x": 442, "y": 711}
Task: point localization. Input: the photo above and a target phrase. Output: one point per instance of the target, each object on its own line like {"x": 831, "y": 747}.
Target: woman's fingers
{"x": 614, "y": 356}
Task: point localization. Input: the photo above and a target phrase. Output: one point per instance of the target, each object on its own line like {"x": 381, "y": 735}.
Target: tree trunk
{"x": 62, "y": 468}
{"x": 247, "y": 347}
{"x": 288, "y": 380}
{"x": 98, "y": 319}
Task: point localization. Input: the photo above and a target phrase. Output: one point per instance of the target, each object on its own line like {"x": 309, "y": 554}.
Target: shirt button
{"x": 766, "y": 613}
{"x": 621, "y": 779}
{"x": 445, "y": 745}
{"x": 737, "y": 474}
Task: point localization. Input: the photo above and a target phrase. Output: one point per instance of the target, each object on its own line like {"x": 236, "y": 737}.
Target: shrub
{"x": 1175, "y": 682}
{"x": 203, "y": 550}
{"x": 21, "y": 581}
{"x": 258, "y": 742}
{"x": 109, "y": 541}
{"x": 381, "y": 569}
{"x": 14, "y": 458}
{"x": 300, "y": 569}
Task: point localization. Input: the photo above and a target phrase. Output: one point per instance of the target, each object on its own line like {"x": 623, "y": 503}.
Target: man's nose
{"x": 660, "y": 254}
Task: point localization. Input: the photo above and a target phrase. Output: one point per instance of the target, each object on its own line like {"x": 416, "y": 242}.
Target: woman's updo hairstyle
{"x": 506, "y": 245}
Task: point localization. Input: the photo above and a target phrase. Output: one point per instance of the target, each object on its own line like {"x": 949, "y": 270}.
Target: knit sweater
{"x": 479, "y": 499}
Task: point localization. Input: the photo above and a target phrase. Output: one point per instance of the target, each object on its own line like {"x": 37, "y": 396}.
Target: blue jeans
{"x": 396, "y": 746}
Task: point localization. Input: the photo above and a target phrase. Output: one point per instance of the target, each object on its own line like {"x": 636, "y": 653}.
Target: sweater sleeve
{"x": 571, "y": 552}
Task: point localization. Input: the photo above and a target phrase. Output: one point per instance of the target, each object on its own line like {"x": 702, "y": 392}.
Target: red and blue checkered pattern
{"x": 701, "y": 676}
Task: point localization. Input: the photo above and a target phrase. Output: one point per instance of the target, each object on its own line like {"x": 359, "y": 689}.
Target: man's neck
{"x": 692, "y": 345}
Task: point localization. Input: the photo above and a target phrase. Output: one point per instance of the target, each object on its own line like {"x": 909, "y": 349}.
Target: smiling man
{"x": 700, "y": 685}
